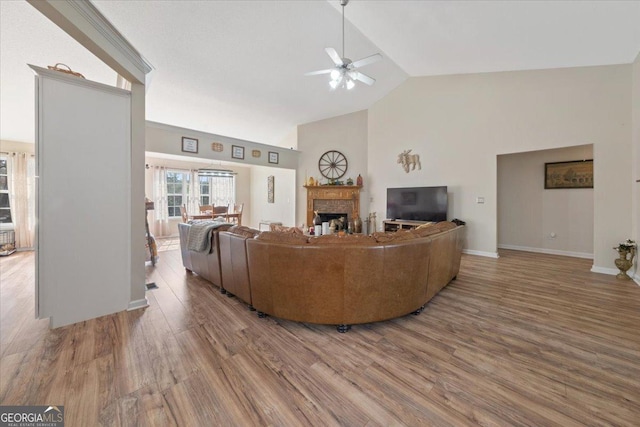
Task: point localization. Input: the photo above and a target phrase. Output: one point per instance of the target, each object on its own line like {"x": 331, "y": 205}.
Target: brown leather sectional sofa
{"x": 336, "y": 280}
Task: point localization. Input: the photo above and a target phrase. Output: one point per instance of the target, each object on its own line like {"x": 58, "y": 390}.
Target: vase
{"x": 359, "y": 180}
{"x": 357, "y": 224}
{"x": 624, "y": 262}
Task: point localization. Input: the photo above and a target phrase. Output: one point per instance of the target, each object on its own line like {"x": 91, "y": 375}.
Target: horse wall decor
{"x": 409, "y": 160}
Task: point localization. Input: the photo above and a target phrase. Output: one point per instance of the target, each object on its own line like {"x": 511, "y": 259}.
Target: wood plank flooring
{"x": 524, "y": 340}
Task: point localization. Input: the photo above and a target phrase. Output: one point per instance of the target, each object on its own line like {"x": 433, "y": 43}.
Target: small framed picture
{"x": 237, "y": 152}
{"x": 189, "y": 145}
{"x": 274, "y": 157}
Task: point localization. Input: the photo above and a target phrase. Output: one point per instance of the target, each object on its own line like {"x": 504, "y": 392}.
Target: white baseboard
{"x": 481, "y": 253}
{"x": 548, "y": 251}
{"x": 139, "y": 303}
{"x": 604, "y": 270}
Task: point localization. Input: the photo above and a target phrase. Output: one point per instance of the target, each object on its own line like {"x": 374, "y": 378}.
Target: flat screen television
{"x": 417, "y": 203}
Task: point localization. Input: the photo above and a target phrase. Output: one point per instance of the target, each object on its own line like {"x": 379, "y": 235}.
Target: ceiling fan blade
{"x": 368, "y": 60}
{"x": 364, "y": 78}
{"x": 315, "y": 73}
{"x": 334, "y": 56}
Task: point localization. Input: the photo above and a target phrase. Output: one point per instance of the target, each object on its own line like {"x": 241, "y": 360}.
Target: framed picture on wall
{"x": 271, "y": 189}
{"x": 573, "y": 174}
{"x": 189, "y": 145}
{"x": 274, "y": 157}
{"x": 237, "y": 152}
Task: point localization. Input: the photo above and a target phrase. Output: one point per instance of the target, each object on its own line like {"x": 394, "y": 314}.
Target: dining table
{"x": 209, "y": 215}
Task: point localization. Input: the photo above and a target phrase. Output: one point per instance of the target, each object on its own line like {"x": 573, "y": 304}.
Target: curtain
{"x": 194, "y": 192}
{"x": 21, "y": 172}
{"x": 160, "y": 223}
{"x": 222, "y": 190}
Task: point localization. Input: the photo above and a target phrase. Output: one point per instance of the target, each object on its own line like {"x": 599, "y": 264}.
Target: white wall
{"x": 284, "y": 207}
{"x": 528, "y": 214}
{"x": 347, "y": 134}
{"x": 459, "y": 124}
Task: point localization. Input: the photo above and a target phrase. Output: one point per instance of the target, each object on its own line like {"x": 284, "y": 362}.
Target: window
{"x": 177, "y": 191}
{"x": 5, "y": 211}
{"x": 205, "y": 191}
{"x": 217, "y": 190}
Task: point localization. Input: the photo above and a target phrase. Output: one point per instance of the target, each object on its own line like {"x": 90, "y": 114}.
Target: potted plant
{"x": 626, "y": 251}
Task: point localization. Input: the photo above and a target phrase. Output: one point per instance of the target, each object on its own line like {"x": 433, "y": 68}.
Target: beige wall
{"x": 636, "y": 156}
{"x": 459, "y": 124}
{"x": 283, "y": 209}
{"x": 347, "y": 134}
{"x": 531, "y": 218}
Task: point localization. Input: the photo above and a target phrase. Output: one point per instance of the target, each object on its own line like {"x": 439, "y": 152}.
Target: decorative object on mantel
{"x": 409, "y": 160}
{"x": 627, "y": 251}
{"x": 349, "y": 181}
{"x": 333, "y": 165}
{"x": 255, "y": 153}
{"x": 573, "y": 174}
{"x": 189, "y": 145}
{"x": 68, "y": 70}
{"x": 359, "y": 180}
{"x": 270, "y": 188}
{"x": 217, "y": 146}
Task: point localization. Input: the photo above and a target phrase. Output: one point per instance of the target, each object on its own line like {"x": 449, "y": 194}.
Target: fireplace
{"x": 327, "y": 217}
{"x": 333, "y": 199}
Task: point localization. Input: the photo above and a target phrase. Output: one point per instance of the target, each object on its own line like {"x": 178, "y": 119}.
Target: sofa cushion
{"x": 434, "y": 228}
{"x": 282, "y": 229}
{"x": 334, "y": 239}
{"x": 274, "y": 236}
{"x": 242, "y": 230}
{"x": 393, "y": 236}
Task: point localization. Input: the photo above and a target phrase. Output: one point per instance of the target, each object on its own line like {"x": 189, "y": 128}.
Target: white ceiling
{"x": 236, "y": 67}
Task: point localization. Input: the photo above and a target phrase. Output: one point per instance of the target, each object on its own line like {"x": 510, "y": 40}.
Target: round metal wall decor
{"x": 333, "y": 164}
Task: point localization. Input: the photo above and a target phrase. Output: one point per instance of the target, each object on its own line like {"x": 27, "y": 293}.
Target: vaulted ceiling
{"x": 236, "y": 67}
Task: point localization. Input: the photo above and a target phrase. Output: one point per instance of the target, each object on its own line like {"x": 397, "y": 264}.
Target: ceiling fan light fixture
{"x": 350, "y": 84}
{"x": 344, "y": 73}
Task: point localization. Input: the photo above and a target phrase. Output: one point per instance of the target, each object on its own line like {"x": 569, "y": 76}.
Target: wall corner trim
{"x": 137, "y": 304}
{"x": 481, "y": 253}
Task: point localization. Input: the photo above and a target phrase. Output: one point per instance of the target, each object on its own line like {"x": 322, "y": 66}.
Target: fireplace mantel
{"x": 317, "y": 195}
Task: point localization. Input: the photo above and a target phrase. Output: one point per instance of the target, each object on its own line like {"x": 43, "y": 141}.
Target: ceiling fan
{"x": 345, "y": 72}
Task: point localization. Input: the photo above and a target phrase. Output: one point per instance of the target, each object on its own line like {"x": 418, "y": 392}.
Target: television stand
{"x": 401, "y": 224}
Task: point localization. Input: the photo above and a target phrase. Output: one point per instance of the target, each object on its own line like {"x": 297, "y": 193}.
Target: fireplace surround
{"x": 329, "y": 199}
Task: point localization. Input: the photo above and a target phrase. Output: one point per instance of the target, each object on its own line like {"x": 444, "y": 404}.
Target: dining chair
{"x": 237, "y": 214}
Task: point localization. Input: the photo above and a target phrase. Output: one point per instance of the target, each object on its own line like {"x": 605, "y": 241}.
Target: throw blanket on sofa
{"x": 199, "y": 238}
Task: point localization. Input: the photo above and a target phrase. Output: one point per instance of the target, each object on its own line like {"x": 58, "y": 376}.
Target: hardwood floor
{"x": 527, "y": 339}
